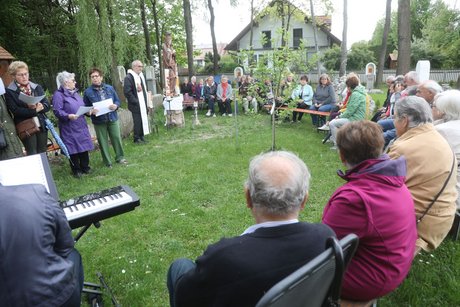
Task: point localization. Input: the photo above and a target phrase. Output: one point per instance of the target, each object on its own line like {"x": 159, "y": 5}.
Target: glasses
{"x": 433, "y": 106}
{"x": 73, "y": 81}
{"x": 140, "y": 65}
{"x": 22, "y": 75}
{"x": 95, "y": 76}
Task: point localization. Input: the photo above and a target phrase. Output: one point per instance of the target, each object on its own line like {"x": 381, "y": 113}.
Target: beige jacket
{"x": 429, "y": 161}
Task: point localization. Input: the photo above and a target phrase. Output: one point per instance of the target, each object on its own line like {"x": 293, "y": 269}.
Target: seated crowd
{"x": 419, "y": 125}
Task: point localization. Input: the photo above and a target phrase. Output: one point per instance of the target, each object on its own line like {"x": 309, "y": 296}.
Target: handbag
{"x": 26, "y": 128}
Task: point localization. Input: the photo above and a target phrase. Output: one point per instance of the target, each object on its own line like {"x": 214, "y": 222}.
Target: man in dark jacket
{"x": 238, "y": 271}
{"x": 39, "y": 265}
{"x": 136, "y": 93}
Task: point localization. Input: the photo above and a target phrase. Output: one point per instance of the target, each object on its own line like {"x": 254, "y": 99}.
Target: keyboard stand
{"x": 91, "y": 289}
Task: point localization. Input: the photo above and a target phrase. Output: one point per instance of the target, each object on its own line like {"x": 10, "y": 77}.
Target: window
{"x": 297, "y": 35}
{"x": 266, "y": 39}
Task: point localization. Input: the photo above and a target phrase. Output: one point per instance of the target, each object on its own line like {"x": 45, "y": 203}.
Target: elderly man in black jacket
{"x": 237, "y": 271}
{"x": 135, "y": 91}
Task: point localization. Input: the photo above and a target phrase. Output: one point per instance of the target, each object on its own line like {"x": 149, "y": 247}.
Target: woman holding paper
{"x": 104, "y": 116}
{"x": 26, "y": 100}
{"x": 72, "y": 127}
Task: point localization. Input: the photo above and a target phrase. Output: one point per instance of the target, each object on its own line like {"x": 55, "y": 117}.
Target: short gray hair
{"x": 416, "y": 109}
{"x": 281, "y": 189}
{"x": 135, "y": 62}
{"x": 64, "y": 76}
{"x": 448, "y": 103}
{"x": 432, "y": 86}
{"x": 412, "y": 75}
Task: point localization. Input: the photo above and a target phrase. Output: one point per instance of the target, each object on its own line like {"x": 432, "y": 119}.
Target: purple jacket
{"x": 376, "y": 205}
{"x": 74, "y": 133}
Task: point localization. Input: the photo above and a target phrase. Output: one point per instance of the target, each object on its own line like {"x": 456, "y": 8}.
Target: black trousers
{"x": 138, "y": 130}
{"x": 79, "y": 162}
{"x": 295, "y": 115}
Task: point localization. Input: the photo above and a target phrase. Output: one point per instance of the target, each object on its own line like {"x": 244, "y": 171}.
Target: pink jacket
{"x": 376, "y": 205}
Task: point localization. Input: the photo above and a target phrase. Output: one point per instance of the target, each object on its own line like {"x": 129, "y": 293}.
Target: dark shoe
{"x": 122, "y": 161}
{"x": 138, "y": 141}
{"x": 87, "y": 171}
{"x": 109, "y": 166}
{"x": 144, "y": 141}
{"x": 78, "y": 174}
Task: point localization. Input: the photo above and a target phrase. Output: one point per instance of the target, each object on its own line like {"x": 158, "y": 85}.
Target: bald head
{"x": 278, "y": 183}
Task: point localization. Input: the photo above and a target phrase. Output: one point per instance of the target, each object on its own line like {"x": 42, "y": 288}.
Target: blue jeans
{"x": 178, "y": 268}
{"x": 322, "y": 120}
{"x": 389, "y": 130}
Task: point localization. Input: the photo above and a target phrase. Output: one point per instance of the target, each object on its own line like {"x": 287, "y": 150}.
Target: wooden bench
{"x": 314, "y": 112}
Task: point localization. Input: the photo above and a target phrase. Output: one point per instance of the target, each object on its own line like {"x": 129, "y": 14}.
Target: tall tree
{"x": 383, "y": 48}
{"x": 189, "y": 36}
{"x": 155, "y": 12}
{"x": 251, "y": 27}
{"x": 343, "y": 49}
{"x": 213, "y": 37}
{"x": 313, "y": 21}
{"x": 145, "y": 27}
{"x": 404, "y": 37}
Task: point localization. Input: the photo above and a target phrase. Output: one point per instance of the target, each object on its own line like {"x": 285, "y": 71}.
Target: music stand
{"x": 91, "y": 289}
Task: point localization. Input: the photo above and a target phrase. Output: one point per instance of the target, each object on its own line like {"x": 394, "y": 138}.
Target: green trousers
{"x": 103, "y": 133}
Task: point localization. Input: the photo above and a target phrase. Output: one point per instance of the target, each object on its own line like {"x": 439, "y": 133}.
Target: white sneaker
{"x": 214, "y": 115}
{"x": 324, "y": 128}
{"x": 333, "y": 147}
{"x": 230, "y": 114}
{"x": 208, "y": 114}
{"x": 225, "y": 114}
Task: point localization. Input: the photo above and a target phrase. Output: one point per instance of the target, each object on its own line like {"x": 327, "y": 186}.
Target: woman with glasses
{"x": 106, "y": 125}
{"x": 72, "y": 128}
{"x": 34, "y": 143}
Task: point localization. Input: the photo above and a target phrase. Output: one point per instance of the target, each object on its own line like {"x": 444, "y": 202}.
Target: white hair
{"x": 415, "y": 109}
{"x": 448, "y": 103}
{"x": 64, "y": 76}
{"x": 275, "y": 196}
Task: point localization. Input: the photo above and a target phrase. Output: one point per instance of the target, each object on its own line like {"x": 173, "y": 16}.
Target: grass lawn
{"x": 190, "y": 183}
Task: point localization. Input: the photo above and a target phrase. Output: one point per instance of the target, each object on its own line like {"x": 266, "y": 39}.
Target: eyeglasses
{"x": 22, "y": 75}
{"x": 140, "y": 65}
{"x": 433, "y": 106}
{"x": 95, "y": 76}
{"x": 73, "y": 81}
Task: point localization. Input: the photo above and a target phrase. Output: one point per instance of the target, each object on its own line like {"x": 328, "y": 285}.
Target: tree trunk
{"x": 113, "y": 67}
{"x": 251, "y": 33}
{"x": 148, "y": 46}
{"x": 158, "y": 42}
{"x": 213, "y": 37}
{"x": 344, "y": 49}
{"x": 404, "y": 36}
{"x": 189, "y": 36}
{"x": 313, "y": 22}
{"x": 383, "y": 48}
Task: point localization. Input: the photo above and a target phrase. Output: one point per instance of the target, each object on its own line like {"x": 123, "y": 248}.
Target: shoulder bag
{"x": 418, "y": 220}
{"x": 26, "y": 128}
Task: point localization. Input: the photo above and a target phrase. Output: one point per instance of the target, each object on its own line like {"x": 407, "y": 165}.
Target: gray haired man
{"x": 237, "y": 271}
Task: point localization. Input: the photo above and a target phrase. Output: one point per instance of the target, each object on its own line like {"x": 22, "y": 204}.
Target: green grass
{"x": 190, "y": 183}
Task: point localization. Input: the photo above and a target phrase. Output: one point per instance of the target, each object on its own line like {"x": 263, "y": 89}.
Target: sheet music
{"x": 26, "y": 170}
{"x": 82, "y": 110}
{"x": 103, "y": 106}
{"x": 30, "y": 99}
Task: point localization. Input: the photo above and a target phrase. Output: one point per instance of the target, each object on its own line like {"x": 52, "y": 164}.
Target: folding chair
{"x": 317, "y": 283}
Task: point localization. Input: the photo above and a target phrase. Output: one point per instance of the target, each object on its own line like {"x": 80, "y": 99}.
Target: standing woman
{"x": 13, "y": 148}
{"x": 21, "y": 111}
{"x": 323, "y": 98}
{"x": 72, "y": 128}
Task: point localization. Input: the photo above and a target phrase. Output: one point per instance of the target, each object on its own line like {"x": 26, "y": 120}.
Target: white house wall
{"x": 272, "y": 24}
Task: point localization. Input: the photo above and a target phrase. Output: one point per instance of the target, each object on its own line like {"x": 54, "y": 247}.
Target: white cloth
{"x": 138, "y": 80}
{"x": 2, "y": 87}
{"x": 253, "y": 228}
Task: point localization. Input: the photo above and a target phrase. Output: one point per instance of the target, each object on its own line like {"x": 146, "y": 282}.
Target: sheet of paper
{"x": 27, "y": 170}
{"x": 103, "y": 106}
{"x": 82, "y": 110}
{"x": 30, "y": 99}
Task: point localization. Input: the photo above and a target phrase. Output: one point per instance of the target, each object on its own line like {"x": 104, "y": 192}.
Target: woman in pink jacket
{"x": 376, "y": 205}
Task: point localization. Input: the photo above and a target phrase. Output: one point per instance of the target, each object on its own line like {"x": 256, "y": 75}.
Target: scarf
{"x": 24, "y": 88}
{"x": 224, "y": 90}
